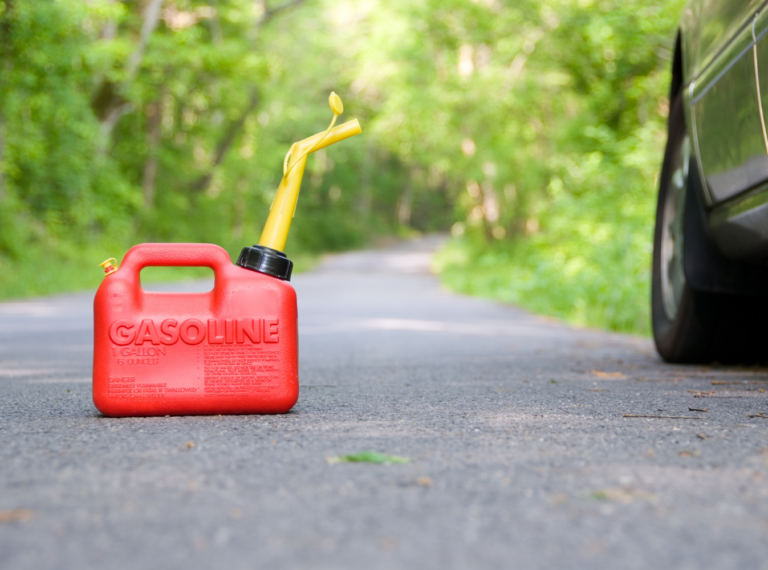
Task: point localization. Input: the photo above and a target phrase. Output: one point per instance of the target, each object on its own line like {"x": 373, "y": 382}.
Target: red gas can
{"x": 233, "y": 350}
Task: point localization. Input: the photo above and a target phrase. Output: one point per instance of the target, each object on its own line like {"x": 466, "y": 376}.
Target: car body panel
{"x": 725, "y": 91}
{"x": 689, "y": 35}
{"x": 719, "y": 22}
{"x": 740, "y": 227}
{"x": 726, "y": 112}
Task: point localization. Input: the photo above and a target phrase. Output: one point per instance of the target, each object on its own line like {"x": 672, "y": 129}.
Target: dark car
{"x": 710, "y": 258}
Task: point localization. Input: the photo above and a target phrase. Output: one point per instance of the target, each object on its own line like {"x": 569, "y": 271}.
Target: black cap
{"x": 266, "y": 260}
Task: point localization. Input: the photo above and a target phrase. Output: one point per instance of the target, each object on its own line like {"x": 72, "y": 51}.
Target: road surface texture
{"x": 522, "y": 456}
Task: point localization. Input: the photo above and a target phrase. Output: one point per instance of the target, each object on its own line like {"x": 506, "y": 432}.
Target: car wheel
{"x": 691, "y": 326}
{"x": 678, "y": 330}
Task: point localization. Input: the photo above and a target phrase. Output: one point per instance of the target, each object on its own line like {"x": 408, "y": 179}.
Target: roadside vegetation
{"x": 531, "y": 130}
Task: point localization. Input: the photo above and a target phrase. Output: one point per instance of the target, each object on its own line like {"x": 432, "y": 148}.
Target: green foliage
{"x": 560, "y": 198}
{"x": 533, "y": 129}
{"x": 588, "y": 260}
{"x": 369, "y": 457}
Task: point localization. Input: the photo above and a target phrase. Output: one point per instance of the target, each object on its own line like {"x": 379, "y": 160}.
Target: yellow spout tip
{"x": 336, "y": 105}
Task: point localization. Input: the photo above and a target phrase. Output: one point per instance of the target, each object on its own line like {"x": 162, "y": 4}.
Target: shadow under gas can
{"x": 233, "y": 350}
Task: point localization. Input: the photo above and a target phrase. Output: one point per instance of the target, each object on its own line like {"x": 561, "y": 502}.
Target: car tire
{"x": 692, "y": 326}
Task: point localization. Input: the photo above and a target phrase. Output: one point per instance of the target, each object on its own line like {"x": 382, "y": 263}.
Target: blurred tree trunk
{"x": 2, "y": 176}
{"x": 109, "y": 31}
{"x": 110, "y": 103}
{"x": 240, "y": 204}
{"x": 154, "y": 123}
{"x": 233, "y": 129}
{"x": 405, "y": 204}
{"x": 366, "y": 183}
{"x": 268, "y": 13}
{"x": 234, "y": 126}
{"x": 7, "y": 65}
{"x": 6, "y": 62}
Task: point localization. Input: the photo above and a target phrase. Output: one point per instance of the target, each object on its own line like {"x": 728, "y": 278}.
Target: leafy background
{"x": 531, "y": 130}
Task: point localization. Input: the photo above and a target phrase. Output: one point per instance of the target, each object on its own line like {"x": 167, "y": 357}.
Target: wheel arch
{"x": 677, "y": 67}
{"x": 705, "y": 266}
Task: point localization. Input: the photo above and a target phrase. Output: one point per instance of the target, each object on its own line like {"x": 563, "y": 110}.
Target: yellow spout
{"x": 281, "y": 214}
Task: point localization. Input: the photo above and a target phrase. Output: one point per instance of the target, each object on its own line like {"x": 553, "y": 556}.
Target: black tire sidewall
{"x": 681, "y": 339}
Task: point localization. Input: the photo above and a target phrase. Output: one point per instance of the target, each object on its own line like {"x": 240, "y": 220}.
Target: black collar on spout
{"x": 266, "y": 260}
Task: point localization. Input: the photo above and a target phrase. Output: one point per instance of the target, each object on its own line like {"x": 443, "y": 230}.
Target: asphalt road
{"x": 521, "y": 454}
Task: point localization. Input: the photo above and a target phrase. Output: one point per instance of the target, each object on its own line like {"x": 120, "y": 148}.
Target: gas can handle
{"x": 175, "y": 255}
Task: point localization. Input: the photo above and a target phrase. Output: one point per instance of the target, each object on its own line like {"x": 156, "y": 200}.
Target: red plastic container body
{"x": 233, "y": 350}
